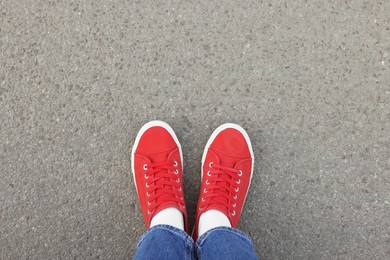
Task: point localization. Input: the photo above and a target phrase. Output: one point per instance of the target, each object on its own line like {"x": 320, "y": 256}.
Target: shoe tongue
{"x": 160, "y": 157}
{"x": 226, "y": 161}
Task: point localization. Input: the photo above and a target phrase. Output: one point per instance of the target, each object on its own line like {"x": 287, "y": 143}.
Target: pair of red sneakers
{"x": 157, "y": 165}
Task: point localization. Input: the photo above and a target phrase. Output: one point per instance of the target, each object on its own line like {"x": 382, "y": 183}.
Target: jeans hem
{"x": 187, "y": 238}
{"x": 235, "y": 231}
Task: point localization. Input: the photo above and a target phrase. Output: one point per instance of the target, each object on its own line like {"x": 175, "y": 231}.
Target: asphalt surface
{"x": 308, "y": 80}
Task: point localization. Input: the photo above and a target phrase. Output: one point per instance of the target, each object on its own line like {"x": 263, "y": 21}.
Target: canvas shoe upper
{"x": 157, "y": 167}
{"x": 227, "y": 168}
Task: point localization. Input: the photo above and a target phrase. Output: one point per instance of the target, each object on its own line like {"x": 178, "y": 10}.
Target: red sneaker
{"x": 157, "y": 165}
{"x": 227, "y": 168}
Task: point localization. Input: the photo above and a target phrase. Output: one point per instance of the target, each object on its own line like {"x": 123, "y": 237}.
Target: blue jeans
{"x": 167, "y": 242}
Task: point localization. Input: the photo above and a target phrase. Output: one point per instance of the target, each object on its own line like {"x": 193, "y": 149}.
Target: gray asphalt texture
{"x": 308, "y": 80}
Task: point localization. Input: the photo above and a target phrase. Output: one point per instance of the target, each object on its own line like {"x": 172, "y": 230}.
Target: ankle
{"x": 169, "y": 216}
{"x": 212, "y": 219}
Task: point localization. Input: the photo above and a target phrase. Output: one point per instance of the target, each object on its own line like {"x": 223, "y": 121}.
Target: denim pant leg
{"x": 165, "y": 242}
{"x": 225, "y": 243}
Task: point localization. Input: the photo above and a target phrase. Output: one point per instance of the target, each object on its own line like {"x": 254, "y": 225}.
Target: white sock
{"x": 169, "y": 216}
{"x": 212, "y": 219}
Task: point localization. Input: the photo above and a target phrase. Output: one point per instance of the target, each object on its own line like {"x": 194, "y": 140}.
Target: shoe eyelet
{"x": 209, "y": 173}
{"x": 211, "y": 164}
{"x": 203, "y": 199}
{"x": 147, "y": 194}
{"x": 207, "y": 182}
{"x": 233, "y": 213}
{"x": 149, "y": 212}
{"x": 236, "y": 189}
{"x": 146, "y": 176}
{"x": 235, "y": 197}
{"x": 180, "y": 189}
{"x": 200, "y": 208}
{"x": 146, "y": 185}
{"x": 145, "y": 167}
{"x": 238, "y": 182}
{"x": 234, "y": 205}
{"x": 240, "y": 174}
{"x": 149, "y": 203}
{"x": 205, "y": 191}
{"x": 178, "y": 180}
{"x": 176, "y": 171}
{"x": 175, "y": 163}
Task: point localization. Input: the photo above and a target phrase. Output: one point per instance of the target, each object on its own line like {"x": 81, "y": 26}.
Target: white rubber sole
{"x": 143, "y": 129}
